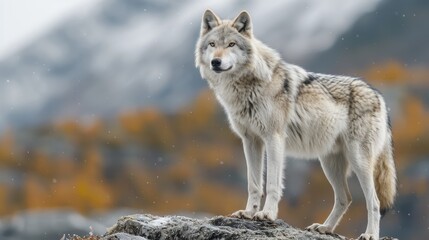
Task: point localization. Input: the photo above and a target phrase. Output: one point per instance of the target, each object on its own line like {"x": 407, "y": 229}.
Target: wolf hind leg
{"x": 253, "y": 152}
{"x": 362, "y": 163}
{"x": 335, "y": 167}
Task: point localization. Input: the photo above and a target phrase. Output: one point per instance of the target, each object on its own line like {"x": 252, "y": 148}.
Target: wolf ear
{"x": 243, "y": 24}
{"x": 210, "y": 21}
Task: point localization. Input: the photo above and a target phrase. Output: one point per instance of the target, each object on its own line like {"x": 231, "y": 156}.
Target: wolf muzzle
{"x": 216, "y": 65}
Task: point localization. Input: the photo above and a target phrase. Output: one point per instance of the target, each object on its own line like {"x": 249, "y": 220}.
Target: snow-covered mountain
{"x": 126, "y": 54}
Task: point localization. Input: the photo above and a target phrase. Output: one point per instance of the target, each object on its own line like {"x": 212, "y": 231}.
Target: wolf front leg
{"x": 253, "y": 151}
{"x": 275, "y": 145}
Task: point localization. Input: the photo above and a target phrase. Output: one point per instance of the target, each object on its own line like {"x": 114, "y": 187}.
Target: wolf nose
{"x": 216, "y": 62}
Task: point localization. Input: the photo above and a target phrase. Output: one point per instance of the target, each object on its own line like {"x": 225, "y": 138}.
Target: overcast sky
{"x": 23, "y": 20}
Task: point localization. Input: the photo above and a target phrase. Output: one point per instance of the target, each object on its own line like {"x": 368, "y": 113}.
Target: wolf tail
{"x": 385, "y": 176}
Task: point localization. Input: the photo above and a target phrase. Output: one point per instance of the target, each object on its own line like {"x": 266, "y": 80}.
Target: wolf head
{"x": 224, "y": 46}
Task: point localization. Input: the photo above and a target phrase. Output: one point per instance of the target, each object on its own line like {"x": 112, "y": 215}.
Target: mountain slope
{"x": 397, "y": 30}
{"x": 130, "y": 54}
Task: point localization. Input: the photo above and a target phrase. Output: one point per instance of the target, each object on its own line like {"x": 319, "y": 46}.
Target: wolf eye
{"x": 212, "y": 44}
{"x": 231, "y": 44}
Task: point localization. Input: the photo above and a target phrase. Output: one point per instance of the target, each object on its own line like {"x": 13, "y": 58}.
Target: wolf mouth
{"x": 219, "y": 70}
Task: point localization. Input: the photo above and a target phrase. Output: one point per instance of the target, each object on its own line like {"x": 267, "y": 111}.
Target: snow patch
{"x": 160, "y": 221}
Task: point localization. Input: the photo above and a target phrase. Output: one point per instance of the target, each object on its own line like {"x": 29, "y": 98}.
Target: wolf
{"x": 279, "y": 109}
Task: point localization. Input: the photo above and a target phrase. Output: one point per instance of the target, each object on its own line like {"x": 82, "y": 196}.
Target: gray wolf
{"x": 280, "y": 109}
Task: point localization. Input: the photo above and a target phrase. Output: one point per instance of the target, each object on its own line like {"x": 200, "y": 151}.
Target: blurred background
{"x": 104, "y": 114}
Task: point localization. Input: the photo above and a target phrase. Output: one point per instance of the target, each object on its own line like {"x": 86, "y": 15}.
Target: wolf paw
{"x": 264, "y": 215}
{"x": 366, "y": 236}
{"x": 319, "y": 228}
{"x": 243, "y": 214}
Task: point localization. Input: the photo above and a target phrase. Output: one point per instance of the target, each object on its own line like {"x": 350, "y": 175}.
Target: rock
{"x": 146, "y": 226}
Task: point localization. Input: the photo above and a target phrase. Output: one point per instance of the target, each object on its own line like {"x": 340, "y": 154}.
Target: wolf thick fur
{"x": 281, "y": 109}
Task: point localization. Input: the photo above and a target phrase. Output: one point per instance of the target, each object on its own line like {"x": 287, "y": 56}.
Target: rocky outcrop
{"x": 148, "y": 227}
{"x": 145, "y": 226}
